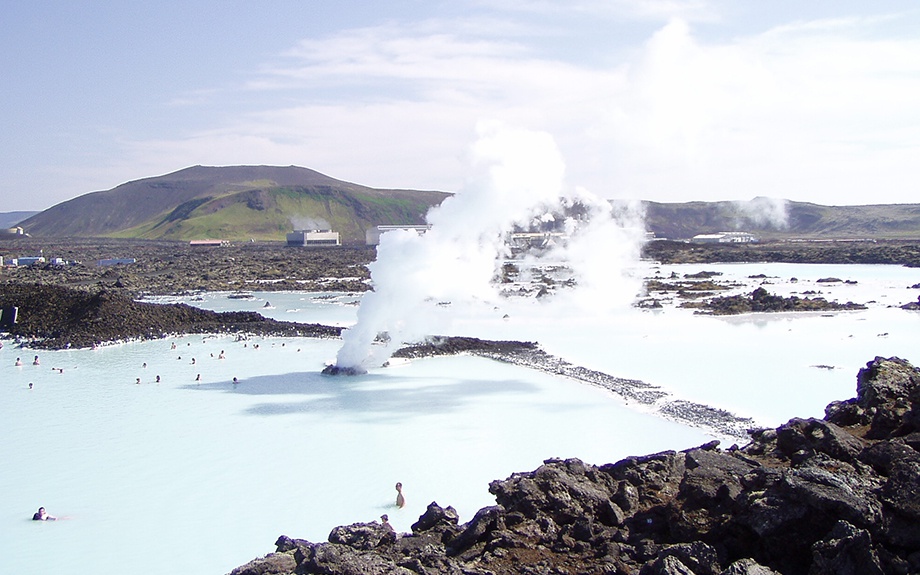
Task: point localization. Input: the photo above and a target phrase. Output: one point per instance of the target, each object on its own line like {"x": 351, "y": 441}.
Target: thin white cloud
{"x": 818, "y": 110}
{"x": 785, "y": 113}
{"x": 621, "y": 9}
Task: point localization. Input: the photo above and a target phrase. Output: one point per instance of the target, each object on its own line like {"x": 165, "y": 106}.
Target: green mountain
{"x": 779, "y": 219}
{"x": 267, "y": 202}
{"x": 232, "y": 203}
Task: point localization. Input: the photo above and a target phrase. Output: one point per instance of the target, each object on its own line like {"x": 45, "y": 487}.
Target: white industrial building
{"x": 724, "y": 238}
{"x": 29, "y": 260}
{"x": 314, "y": 238}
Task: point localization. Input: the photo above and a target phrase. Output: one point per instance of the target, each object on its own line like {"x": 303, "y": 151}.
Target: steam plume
{"x": 762, "y": 211}
{"x": 517, "y": 182}
{"x": 307, "y": 223}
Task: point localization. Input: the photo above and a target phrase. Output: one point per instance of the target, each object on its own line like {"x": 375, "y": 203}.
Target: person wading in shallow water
{"x": 42, "y": 515}
{"x": 400, "y": 498}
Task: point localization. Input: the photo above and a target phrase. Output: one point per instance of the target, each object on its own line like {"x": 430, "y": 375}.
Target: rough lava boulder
{"x": 839, "y": 495}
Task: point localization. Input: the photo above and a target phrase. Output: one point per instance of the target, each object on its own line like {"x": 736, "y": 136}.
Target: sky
{"x": 662, "y": 100}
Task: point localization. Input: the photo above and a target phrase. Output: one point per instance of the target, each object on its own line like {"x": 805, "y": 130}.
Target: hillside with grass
{"x": 264, "y": 203}
{"x": 232, "y": 203}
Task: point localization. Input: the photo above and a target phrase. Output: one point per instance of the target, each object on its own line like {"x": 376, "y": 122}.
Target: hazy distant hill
{"x": 778, "y": 219}
{"x": 233, "y": 203}
{"x": 10, "y": 219}
{"x": 266, "y": 202}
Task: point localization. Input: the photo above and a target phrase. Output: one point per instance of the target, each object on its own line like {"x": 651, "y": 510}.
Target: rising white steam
{"x": 307, "y": 223}
{"x": 761, "y": 211}
{"x": 517, "y": 182}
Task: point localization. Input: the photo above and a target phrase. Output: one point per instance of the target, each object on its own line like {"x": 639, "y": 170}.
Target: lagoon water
{"x": 186, "y": 476}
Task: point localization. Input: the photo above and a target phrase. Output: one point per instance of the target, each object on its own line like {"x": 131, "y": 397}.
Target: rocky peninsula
{"x": 56, "y": 317}
{"x": 838, "y": 495}
{"x": 760, "y": 300}
{"x": 649, "y": 397}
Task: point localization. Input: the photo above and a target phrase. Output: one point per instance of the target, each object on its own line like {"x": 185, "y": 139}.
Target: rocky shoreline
{"x": 55, "y": 317}
{"x": 815, "y": 496}
{"x": 905, "y": 252}
{"x": 838, "y": 495}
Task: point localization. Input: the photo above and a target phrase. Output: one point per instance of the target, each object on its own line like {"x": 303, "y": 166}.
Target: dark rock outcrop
{"x": 839, "y": 495}
{"x": 54, "y": 317}
{"x": 760, "y": 300}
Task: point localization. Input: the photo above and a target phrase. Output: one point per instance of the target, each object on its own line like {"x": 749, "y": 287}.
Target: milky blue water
{"x": 198, "y": 476}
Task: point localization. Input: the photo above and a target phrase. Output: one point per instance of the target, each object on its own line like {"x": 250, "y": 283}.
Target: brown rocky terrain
{"x": 905, "y": 253}
{"x": 164, "y": 267}
{"x": 831, "y": 496}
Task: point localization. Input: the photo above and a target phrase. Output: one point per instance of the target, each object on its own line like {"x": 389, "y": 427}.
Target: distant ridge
{"x": 267, "y": 202}
{"x": 10, "y": 219}
{"x": 779, "y": 219}
{"x": 233, "y": 203}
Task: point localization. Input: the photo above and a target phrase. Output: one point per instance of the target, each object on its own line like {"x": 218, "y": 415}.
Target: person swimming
{"x": 400, "y": 498}
{"x": 42, "y": 515}
{"x": 35, "y": 361}
{"x": 18, "y": 362}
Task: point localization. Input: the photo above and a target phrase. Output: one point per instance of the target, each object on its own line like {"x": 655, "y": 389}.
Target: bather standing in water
{"x": 42, "y": 515}
{"x": 400, "y": 498}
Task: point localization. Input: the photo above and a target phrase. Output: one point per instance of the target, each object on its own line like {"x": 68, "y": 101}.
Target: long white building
{"x": 314, "y": 238}
{"x": 724, "y": 238}
{"x": 372, "y": 235}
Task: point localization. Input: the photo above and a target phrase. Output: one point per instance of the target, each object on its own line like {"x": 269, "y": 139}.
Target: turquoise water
{"x": 187, "y": 476}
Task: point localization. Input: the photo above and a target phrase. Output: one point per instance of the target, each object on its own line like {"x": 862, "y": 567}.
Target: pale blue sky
{"x": 665, "y": 100}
